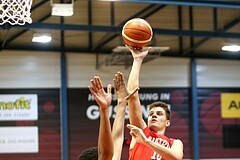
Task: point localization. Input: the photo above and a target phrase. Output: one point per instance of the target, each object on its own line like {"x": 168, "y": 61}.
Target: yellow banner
{"x": 230, "y": 105}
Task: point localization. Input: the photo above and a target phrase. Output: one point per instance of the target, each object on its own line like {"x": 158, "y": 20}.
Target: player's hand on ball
{"x": 139, "y": 53}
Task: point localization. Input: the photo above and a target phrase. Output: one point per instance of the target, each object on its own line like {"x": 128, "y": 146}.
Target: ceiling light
{"x": 41, "y": 38}
{"x": 231, "y": 48}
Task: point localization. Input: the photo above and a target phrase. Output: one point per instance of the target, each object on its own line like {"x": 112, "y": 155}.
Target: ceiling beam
{"x": 97, "y": 28}
{"x": 109, "y": 51}
{"x": 9, "y": 40}
{"x": 201, "y": 3}
{"x": 39, "y": 4}
{"x": 225, "y": 28}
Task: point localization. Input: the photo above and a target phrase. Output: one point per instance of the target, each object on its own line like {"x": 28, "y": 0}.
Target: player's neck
{"x": 159, "y": 131}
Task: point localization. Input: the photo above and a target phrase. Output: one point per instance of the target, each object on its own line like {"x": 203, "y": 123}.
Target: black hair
{"x": 89, "y": 154}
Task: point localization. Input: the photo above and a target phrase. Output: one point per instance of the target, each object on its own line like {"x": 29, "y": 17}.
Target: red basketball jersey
{"x": 142, "y": 152}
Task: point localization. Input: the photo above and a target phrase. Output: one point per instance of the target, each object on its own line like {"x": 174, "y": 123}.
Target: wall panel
{"x": 29, "y": 70}
{"x": 168, "y": 72}
{"x": 218, "y": 73}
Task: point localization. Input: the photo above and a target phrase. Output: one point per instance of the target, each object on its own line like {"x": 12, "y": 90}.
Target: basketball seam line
{"x": 135, "y": 41}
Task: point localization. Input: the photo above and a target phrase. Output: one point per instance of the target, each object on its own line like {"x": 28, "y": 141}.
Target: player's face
{"x": 157, "y": 120}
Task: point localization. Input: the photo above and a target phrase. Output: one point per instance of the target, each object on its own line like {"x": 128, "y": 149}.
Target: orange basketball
{"x": 137, "y": 33}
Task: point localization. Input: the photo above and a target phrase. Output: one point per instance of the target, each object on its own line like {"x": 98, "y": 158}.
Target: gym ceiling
{"x": 189, "y": 28}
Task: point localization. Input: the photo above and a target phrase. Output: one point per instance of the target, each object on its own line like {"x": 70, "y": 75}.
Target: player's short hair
{"x": 89, "y": 154}
{"x": 162, "y": 105}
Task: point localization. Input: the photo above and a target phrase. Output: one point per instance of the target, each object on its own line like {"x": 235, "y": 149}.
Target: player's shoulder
{"x": 177, "y": 142}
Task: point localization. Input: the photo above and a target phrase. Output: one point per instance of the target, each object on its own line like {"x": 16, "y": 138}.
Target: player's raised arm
{"x": 103, "y": 99}
{"x": 133, "y": 82}
{"x": 122, "y": 95}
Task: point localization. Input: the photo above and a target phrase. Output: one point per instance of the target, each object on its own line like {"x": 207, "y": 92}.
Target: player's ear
{"x": 167, "y": 123}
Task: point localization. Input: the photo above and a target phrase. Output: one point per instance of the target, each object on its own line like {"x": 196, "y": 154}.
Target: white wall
{"x": 21, "y": 69}
{"x": 218, "y": 73}
{"x": 159, "y": 72}
{"x": 26, "y": 69}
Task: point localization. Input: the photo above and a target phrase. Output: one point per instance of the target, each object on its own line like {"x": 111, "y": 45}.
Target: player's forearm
{"x": 118, "y": 130}
{"x": 134, "y": 104}
{"x": 105, "y": 144}
{"x": 118, "y": 125}
{"x": 133, "y": 80}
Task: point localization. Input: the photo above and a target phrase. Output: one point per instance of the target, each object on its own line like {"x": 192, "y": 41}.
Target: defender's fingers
{"x": 115, "y": 82}
{"x": 119, "y": 75}
{"x": 122, "y": 78}
{"x": 92, "y": 91}
{"x": 109, "y": 88}
{"x": 119, "y": 78}
{"x": 98, "y": 82}
{"x": 94, "y": 85}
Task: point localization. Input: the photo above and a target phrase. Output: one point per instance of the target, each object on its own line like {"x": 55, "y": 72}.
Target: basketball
{"x": 137, "y": 33}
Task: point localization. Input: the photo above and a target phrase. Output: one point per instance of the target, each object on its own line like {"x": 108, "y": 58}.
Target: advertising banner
{"x": 230, "y": 105}
{"x": 18, "y": 139}
{"x": 18, "y": 107}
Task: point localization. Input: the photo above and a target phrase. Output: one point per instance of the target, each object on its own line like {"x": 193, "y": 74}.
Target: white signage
{"x": 18, "y": 107}
{"x": 19, "y": 140}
